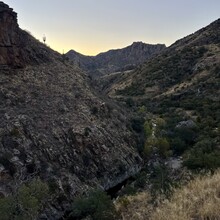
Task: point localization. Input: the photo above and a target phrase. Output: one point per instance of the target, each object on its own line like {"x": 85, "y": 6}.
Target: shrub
{"x": 204, "y": 155}
{"x": 141, "y": 180}
{"x": 97, "y": 204}
{"x": 142, "y": 109}
{"x": 160, "y": 179}
{"x": 134, "y": 207}
{"x": 178, "y": 146}
{"x": 25, "y": 203}
{"x": 137, "y": 124}
{"x": 148, "y": 147}
{"x": 188, "y": 135}
{"x": 163, "y": 146}
{"x": 147, "y": 129}
{"x": 128, "y": 190}
{"x": 198, "y": 200}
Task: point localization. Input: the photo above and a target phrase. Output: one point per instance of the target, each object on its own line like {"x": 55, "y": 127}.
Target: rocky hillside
{"x": 181, "y": 67}
{"x": 17, "y": 47}
{"x": 115, "y": 60}
{"x": 53, "y": 125}
{"x": 181, "y": 85}
{"x": 187, "y": 70}
{"x": 197, "y": 198}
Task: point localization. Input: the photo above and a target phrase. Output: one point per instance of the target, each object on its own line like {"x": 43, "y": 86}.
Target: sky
{"x": 93, "y": 26}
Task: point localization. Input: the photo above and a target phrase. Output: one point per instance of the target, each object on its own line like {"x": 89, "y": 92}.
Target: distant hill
{"x": 115, "y": 60}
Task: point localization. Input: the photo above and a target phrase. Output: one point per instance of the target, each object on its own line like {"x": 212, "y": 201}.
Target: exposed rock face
{"x": 116, "y": 60}
{"x": 53, "y": 125}
{"x": 9, "y": 37}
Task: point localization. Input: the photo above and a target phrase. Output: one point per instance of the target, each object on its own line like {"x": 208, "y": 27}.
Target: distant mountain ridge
{"x": 180, "y": 63}
{"x": 115, "y": 60}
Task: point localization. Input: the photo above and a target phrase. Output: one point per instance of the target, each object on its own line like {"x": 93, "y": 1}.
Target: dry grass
{"x": 199, "y": 200}
{"x": 135, "y": 207}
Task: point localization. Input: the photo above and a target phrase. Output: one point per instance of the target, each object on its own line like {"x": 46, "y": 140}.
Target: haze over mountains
{"x": 155, "y": 102}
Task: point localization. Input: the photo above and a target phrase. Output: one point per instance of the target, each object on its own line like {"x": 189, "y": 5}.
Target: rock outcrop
{"x": 17, "y": 47}
{"x": 9, "y": 37}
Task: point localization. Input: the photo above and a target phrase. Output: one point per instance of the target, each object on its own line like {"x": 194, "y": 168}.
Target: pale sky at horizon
{"x": 94, "y": 26}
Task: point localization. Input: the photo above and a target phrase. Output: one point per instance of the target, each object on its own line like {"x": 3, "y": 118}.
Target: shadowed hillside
{"x": 53, "y": 125}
